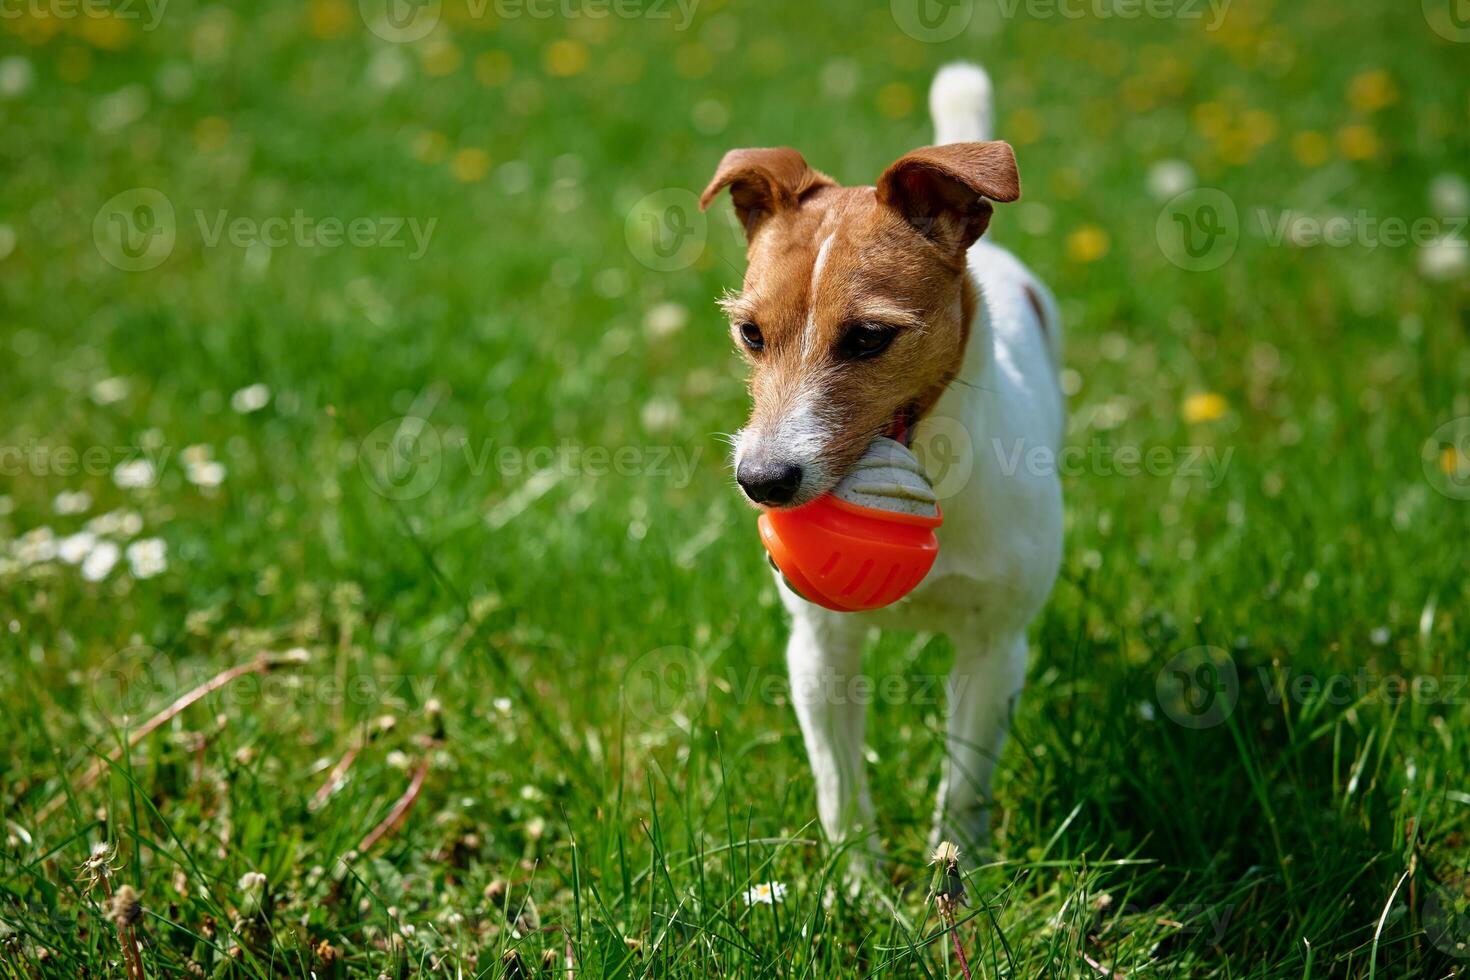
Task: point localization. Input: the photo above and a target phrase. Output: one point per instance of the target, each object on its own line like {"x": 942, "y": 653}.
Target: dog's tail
{"x": 961, "y": 102}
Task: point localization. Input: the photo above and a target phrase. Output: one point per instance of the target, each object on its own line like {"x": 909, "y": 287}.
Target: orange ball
{"x": 848, "y": 557}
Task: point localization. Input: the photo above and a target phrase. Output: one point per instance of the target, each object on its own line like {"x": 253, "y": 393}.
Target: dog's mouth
{"x": 901, "y": 428}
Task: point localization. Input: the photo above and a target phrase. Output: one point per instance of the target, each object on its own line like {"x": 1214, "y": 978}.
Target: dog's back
{"x": 994, "y": 438}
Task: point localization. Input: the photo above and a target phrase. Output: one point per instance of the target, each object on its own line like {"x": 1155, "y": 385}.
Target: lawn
{"x": 375, "y": 598}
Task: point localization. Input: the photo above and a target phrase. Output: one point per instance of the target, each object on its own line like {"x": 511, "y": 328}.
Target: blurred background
{"x": 369, "y": 351}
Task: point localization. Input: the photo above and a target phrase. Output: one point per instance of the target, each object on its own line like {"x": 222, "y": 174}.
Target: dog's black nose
{"x": 768, "y": 482}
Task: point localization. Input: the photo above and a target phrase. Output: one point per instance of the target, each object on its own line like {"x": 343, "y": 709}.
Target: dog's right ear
{"x": 944, "y": 192}
{"x": 762, "y": 182}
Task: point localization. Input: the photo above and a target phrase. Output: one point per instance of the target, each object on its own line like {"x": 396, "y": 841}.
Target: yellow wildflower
{"x": 566, "y": 58}
{"x": 895, "y": 100}
{"x": 470, "y": 164}
{"x": 1205, "y": 406}
{"x": 1357, "y": 142}
{"x": 1371, "y": 91}
{"x": 1087, "y": 244}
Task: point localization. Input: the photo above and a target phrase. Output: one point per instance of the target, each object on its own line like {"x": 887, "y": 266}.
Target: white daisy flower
{"x": 135, "y": 474}
{"x": 16, "y": 76}
{"x": 766, "y": 893}
{"x": 840, "y": 78}
{"x": 665, "y": 319}
{"x": 147, "y": 558}
{"x": 36, "y": 546}
{"x": 660, "y": 414}
{"x": 110, "y": 390}
{"x": 1169, "y": 178}
{"x": 72, "y": 502}
{"x": 1444, "y": 259}
{"x": 250, "y": 399}
{"x": 74, "y": 548}
{"x": 207, "y": 473}
{"x": 120, "y": 523}
{"x": 100, "y": 561}
{"x": 1449, "y": 195}
{"x": 252, "y": 885}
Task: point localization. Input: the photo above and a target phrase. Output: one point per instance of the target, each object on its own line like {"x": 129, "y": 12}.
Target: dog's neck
{"x": 977, "y": 357}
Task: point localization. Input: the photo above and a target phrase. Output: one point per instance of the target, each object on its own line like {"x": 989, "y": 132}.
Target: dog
{"x": 879, "y": 310}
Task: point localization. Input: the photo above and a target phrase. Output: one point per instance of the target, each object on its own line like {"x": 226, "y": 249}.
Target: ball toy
{"x": 869, "y": 542}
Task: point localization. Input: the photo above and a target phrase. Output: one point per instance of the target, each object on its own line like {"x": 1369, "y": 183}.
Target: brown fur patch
{"x": 1040, "y": 310}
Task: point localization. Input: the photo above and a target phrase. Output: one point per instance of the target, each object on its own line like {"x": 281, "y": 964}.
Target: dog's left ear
{"x": 762, "y": 182}
{"x": 945, "y": 191}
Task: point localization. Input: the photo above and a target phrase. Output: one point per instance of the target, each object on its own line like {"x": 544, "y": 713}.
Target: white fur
{"x": 811, "y": 317}
{"x": 960, "y": 103}
{"x": 1000, "y": 547}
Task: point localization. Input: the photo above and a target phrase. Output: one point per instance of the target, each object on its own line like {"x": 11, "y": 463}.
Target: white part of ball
{"x": 889, "y": 477}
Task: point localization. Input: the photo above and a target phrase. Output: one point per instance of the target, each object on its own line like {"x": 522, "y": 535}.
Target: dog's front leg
{"x": 984, "y": 687}
{"x": 824, "y": 655}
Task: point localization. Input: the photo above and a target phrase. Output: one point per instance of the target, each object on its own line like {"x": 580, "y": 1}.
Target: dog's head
{"x": 856, "y": 305}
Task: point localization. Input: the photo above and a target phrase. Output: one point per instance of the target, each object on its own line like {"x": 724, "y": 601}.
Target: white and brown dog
{"x": 877, "y": 310}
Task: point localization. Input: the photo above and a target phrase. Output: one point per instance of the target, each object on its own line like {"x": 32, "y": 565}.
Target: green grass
{"x": 601, "y": 640}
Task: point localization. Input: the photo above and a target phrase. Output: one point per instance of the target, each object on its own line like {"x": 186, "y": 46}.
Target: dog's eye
{"x": 750, "y": 336}
{"x": 865, "y": 340}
